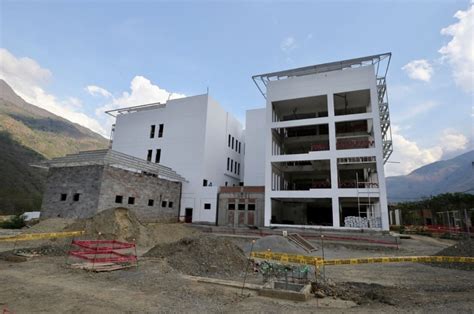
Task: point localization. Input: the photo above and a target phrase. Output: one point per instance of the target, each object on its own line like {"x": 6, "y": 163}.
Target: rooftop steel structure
{"x": 111, "y": 158}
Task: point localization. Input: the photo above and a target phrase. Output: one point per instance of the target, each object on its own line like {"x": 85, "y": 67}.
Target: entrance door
{"x": 188, "y": 215}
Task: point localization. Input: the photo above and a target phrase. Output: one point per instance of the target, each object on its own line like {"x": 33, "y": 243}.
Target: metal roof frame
{"x": 135, "y": 108}
{"x": 111, "y": 158}
{"x": 261, "y": 80}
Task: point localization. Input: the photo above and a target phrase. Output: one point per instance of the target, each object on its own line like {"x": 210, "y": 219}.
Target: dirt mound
{"x": 358, "y": 292}
{"x": 462, "y": 248}
{"x": 50, "y": 225}
{"x": 113, "y": 223}
{"x": 275, "y": 243}
{"x": 204, "y": 255}
{"x": 161, "y": 233}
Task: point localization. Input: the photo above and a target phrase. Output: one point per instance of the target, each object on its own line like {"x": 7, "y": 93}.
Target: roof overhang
{"x": 381, "y": 61}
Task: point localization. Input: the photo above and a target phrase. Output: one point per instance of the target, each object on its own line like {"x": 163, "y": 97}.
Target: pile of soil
{"x": 112, "y": 224}
{"x": 275, "y": 243}
{"x": 359, "y": 292}
{"x": 204, "y": 255}
{"x": 462, "y": 248}
{"x": 50, "y": 225}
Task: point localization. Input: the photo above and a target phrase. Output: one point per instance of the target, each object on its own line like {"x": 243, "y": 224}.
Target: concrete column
{"x": 335, "y": 212}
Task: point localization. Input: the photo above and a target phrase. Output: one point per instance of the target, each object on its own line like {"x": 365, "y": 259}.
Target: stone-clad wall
{"x": 98, "y": 187}
{"x": 71, "y": 180}
{"x": 143, "y": 188}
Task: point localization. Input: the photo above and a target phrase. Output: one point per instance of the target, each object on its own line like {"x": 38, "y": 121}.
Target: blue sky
{"x": 78, "y": 58}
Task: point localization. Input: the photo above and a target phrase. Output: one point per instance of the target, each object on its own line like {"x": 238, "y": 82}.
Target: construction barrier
{"x": 104, "y": 251}
{"x": 289, "y": 258}
{"x": 41, "y": 236}
{"x": 318, "y": 261}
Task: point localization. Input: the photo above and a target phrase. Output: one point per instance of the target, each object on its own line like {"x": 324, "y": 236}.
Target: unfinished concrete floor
{"x": 45, "y": 284}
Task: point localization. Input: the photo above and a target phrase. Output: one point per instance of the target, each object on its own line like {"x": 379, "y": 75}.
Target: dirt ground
{"x": 47, "y": 284}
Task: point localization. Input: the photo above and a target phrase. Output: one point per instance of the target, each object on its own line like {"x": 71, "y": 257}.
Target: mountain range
{"x": 445, "y": 176}
{"x": 29, "y": 134}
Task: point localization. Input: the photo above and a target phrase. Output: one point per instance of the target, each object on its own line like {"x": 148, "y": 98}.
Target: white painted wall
{"x": 255, "y": 147}
{"x": 328, "y": 84}
{"x": 194, "y": 144}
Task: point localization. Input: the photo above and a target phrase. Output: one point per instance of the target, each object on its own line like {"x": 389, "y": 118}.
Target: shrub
{"x": 16, "y": 222}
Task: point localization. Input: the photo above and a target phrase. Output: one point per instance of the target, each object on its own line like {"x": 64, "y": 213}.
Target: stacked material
{"x": 356, "y": 222}
{"x": 362, "y": 222}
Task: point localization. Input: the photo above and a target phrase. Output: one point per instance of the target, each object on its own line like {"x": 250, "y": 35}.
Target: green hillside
{"x": 29, "y": 134}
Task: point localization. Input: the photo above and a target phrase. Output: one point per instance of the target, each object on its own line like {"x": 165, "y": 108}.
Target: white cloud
{"x": 459, "y": 52}
{"x": 288, "y": 44}
{"x": 27, "y": 78}
{"x": 142, "y": 91}
{"x": 97, "y": 91}
{"x": 419, "y": 70}
{"x": 452, "y": 141}
{"x": 409, "y": 155}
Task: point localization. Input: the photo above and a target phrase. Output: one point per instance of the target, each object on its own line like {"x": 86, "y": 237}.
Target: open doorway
{"x": 188, "y": 215}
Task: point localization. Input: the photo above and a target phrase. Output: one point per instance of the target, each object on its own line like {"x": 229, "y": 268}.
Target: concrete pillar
{"x": 335, "y": 212}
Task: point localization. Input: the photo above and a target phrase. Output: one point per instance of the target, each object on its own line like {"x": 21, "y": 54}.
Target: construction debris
{"x": 204, "y": 255}
{"x": 462, "y": 248}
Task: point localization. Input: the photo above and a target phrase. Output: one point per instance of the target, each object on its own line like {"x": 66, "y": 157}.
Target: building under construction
{"x": 327, "y": 136}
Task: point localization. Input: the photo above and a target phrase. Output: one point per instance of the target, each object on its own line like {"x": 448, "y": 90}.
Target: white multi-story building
{"x": 327, "y": 137}
{"x": 196, "y": 137}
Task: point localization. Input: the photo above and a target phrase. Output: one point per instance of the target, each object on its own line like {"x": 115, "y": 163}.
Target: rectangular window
{"x": 207, "y": 206}
{"x": 238, "y": 169}
{"x": 228, "y": 162}
{"x": 239, "y": 147}
{"x": 241, "y": 207}
{"x": 75, "y": 197}
{"x": 228, "y": 141}
{"x": 251, "y": 207}
{"x": 236, "y": 145}
{"x": 152, "y": 131}
{"x": 164, "y": 203}
{"x": 231, "y": 206}
{"x": 231, "y": 165}
{"x": 158, "y": 156}
{"x": 63, "y": 197}
{"x": 170, "y": 204}
{"x": 149, "y": 155}
{"x": 235, "y": 167}
{"x": 118, "y": 199}
{"x": 131, "y": 200}
{"x": 204, "y": 182}
{"x": 232, "y": 142}
{"x": 160, "y": 130}
{"x": 151, "y": 202}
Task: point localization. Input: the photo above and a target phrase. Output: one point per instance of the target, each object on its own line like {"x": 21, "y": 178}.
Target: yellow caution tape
{"x": 39, "y": 236}
{"x": 318, "y": 261}
{"x": 289, "y": 258}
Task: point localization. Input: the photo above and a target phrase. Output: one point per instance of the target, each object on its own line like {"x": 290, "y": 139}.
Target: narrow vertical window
{"x": 231, "y": 165}
{"x": 204, "y": 182}
{"x": 228, "y": 162}
{"x": 239, "y": 147}
{"x": 228, "y": 141}
{"x": 158, "y": 156}
{"x": 148, "y": 156}
{"x": 152, "y": 131}
{"x": 237, "y": 143}
{"x": 238, "y": 168}
{"x": 160, "y": 130}
{"x": 232, "y": 142}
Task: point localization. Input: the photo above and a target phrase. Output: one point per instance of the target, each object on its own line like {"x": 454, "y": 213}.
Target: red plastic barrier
{"x": 112, "y": 257}
{"x": 103, "y": 245}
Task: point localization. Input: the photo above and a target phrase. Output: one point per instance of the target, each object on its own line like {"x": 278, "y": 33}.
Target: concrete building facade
{"x": 196, "y": 137}
{"x": 241, "y": 206}
{"x": 80, "y": 186}
{"x": 327, "y": 136}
